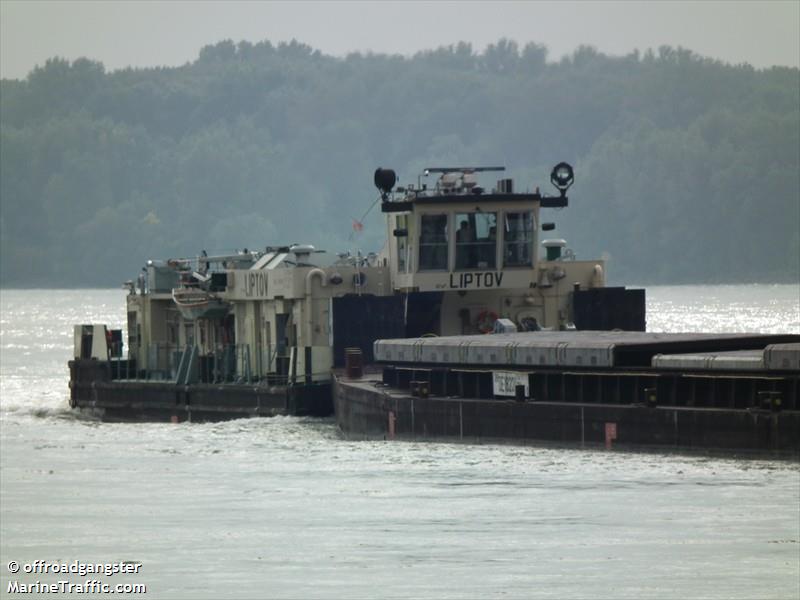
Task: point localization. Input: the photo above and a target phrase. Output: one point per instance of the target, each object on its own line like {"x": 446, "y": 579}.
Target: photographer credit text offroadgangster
{"x": 76, "y": 567}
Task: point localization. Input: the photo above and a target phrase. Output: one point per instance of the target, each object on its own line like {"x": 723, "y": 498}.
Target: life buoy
{"x": 485, "y": 321}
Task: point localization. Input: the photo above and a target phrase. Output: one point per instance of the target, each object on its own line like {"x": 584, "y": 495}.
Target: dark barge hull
{"x": 92, "y": 390}
{"x": 367, "y": 411}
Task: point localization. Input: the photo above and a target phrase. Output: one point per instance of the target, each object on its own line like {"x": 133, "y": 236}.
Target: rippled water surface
{"x": 285, "y": 508}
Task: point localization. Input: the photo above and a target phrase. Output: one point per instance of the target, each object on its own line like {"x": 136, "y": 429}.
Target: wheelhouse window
{"x": 433, "y": 243}
{"x": 476, "y": 240}
{"x": 518, "y": 236}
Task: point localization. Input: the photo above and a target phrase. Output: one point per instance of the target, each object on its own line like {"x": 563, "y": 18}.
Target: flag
{"x": 357, "y": 225}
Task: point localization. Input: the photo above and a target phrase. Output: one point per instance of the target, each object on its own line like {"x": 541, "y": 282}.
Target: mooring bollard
{"x": 353, "y": 363}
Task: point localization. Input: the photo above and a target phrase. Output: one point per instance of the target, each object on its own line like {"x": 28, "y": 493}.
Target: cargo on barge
{"x": 699, "y": 391}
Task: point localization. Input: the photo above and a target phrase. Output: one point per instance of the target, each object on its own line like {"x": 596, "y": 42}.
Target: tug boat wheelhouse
{"x": 259, "y": 332}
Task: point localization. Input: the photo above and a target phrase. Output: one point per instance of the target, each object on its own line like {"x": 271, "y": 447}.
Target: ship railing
{"x": 120, "y": 367}
{"x": 168, "y": 362}
{"x": 163, "y": 360}
{"x": 160, "y": 364}
{"x": 228, "y": 363}
{"x": 237, "y": 364}
{"x": 224, "y": 364}
{"x": 285, "y": 379}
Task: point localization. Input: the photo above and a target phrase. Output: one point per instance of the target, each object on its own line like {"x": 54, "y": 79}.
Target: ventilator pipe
{"x": 598, "y": 277}
{"x": 310, "y": 299}
{"x": 310, "y": 276}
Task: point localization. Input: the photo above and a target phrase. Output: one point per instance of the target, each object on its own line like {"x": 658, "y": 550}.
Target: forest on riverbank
{"x": 687, "y": 169}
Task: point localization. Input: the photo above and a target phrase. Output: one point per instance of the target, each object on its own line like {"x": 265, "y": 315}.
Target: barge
{"x": 736, "y": 392}
{"x": 255, "y": 333}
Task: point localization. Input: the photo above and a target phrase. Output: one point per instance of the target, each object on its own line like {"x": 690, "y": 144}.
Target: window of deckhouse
{"x": 476, "y": 240}
{"x": 518, "y": 236}
{"x": 433, "y": 243}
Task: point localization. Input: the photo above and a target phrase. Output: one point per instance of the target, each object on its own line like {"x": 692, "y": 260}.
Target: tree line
{"x": 686, "y": 167}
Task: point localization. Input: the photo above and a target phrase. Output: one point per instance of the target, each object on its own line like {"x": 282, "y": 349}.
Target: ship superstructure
{"x": 460, "y": 259}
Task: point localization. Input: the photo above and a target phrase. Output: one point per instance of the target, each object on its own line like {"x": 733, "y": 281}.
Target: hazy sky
{"x": 121, "y": 33}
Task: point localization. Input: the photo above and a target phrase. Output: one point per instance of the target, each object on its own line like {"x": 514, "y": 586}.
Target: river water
{"x": 285, "y": 508}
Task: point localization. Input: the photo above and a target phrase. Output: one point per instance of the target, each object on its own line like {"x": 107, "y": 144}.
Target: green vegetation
{"x": 686, "y": 168}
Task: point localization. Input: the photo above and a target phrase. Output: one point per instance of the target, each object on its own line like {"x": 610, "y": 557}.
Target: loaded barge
{"x": 267, "y": 332}
{"x": 710, "y": 391}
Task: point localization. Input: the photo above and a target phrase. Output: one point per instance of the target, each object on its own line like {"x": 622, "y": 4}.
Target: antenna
{"x": 462, "y": 169}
